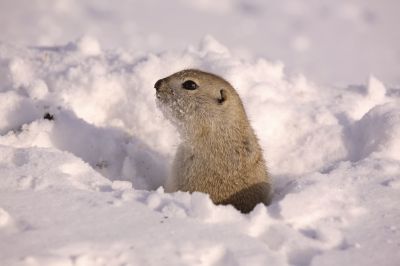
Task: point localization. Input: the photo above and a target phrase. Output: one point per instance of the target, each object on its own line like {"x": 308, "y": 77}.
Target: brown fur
{"x": 219, "y": 154}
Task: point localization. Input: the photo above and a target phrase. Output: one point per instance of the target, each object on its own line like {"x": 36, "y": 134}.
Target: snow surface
{"x": 333, "y": 41}
{"x": 84, "y": 153}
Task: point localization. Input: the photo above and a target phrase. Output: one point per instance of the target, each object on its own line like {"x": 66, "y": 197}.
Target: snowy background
{"x": 84, "y": 151}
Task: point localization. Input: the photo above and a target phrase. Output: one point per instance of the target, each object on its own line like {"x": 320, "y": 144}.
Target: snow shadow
{"x": 110, "y": 151}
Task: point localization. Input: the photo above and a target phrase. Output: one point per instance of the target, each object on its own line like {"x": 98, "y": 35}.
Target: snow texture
{"x": 334, "y": 42}
{"x": 84, "y": 153}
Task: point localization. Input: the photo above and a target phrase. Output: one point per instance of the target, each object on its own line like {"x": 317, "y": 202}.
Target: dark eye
{"x": 189, "y": 85}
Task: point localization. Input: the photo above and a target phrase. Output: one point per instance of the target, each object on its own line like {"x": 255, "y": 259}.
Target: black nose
{"x": 158, "y": 84}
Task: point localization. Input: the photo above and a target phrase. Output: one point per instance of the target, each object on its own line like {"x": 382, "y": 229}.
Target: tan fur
{"x": 219, "y": 154}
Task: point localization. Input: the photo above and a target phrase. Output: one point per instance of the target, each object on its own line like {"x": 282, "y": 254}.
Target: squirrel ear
{"x": 223, "y": 96}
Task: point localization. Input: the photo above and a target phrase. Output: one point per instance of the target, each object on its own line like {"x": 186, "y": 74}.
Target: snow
{"x": 334, "y": 42}
{"x": 85, "y": 152}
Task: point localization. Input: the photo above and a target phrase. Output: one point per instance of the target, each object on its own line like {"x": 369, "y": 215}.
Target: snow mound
{"x": 84, "y": 153}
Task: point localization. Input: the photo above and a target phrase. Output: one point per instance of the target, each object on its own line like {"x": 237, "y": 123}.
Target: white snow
{"x": 88, "y": 45}
{"x": 84, "y": 152}
{"x": 337, "y": 42}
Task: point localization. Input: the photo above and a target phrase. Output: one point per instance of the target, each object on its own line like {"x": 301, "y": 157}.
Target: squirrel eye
{"x": 189, "y": 85}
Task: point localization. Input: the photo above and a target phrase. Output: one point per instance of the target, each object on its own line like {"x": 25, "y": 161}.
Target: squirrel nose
{"x": 158, "y": 84}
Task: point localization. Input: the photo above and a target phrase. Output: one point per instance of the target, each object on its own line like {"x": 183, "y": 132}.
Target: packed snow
{"x": 84, "y": 154}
